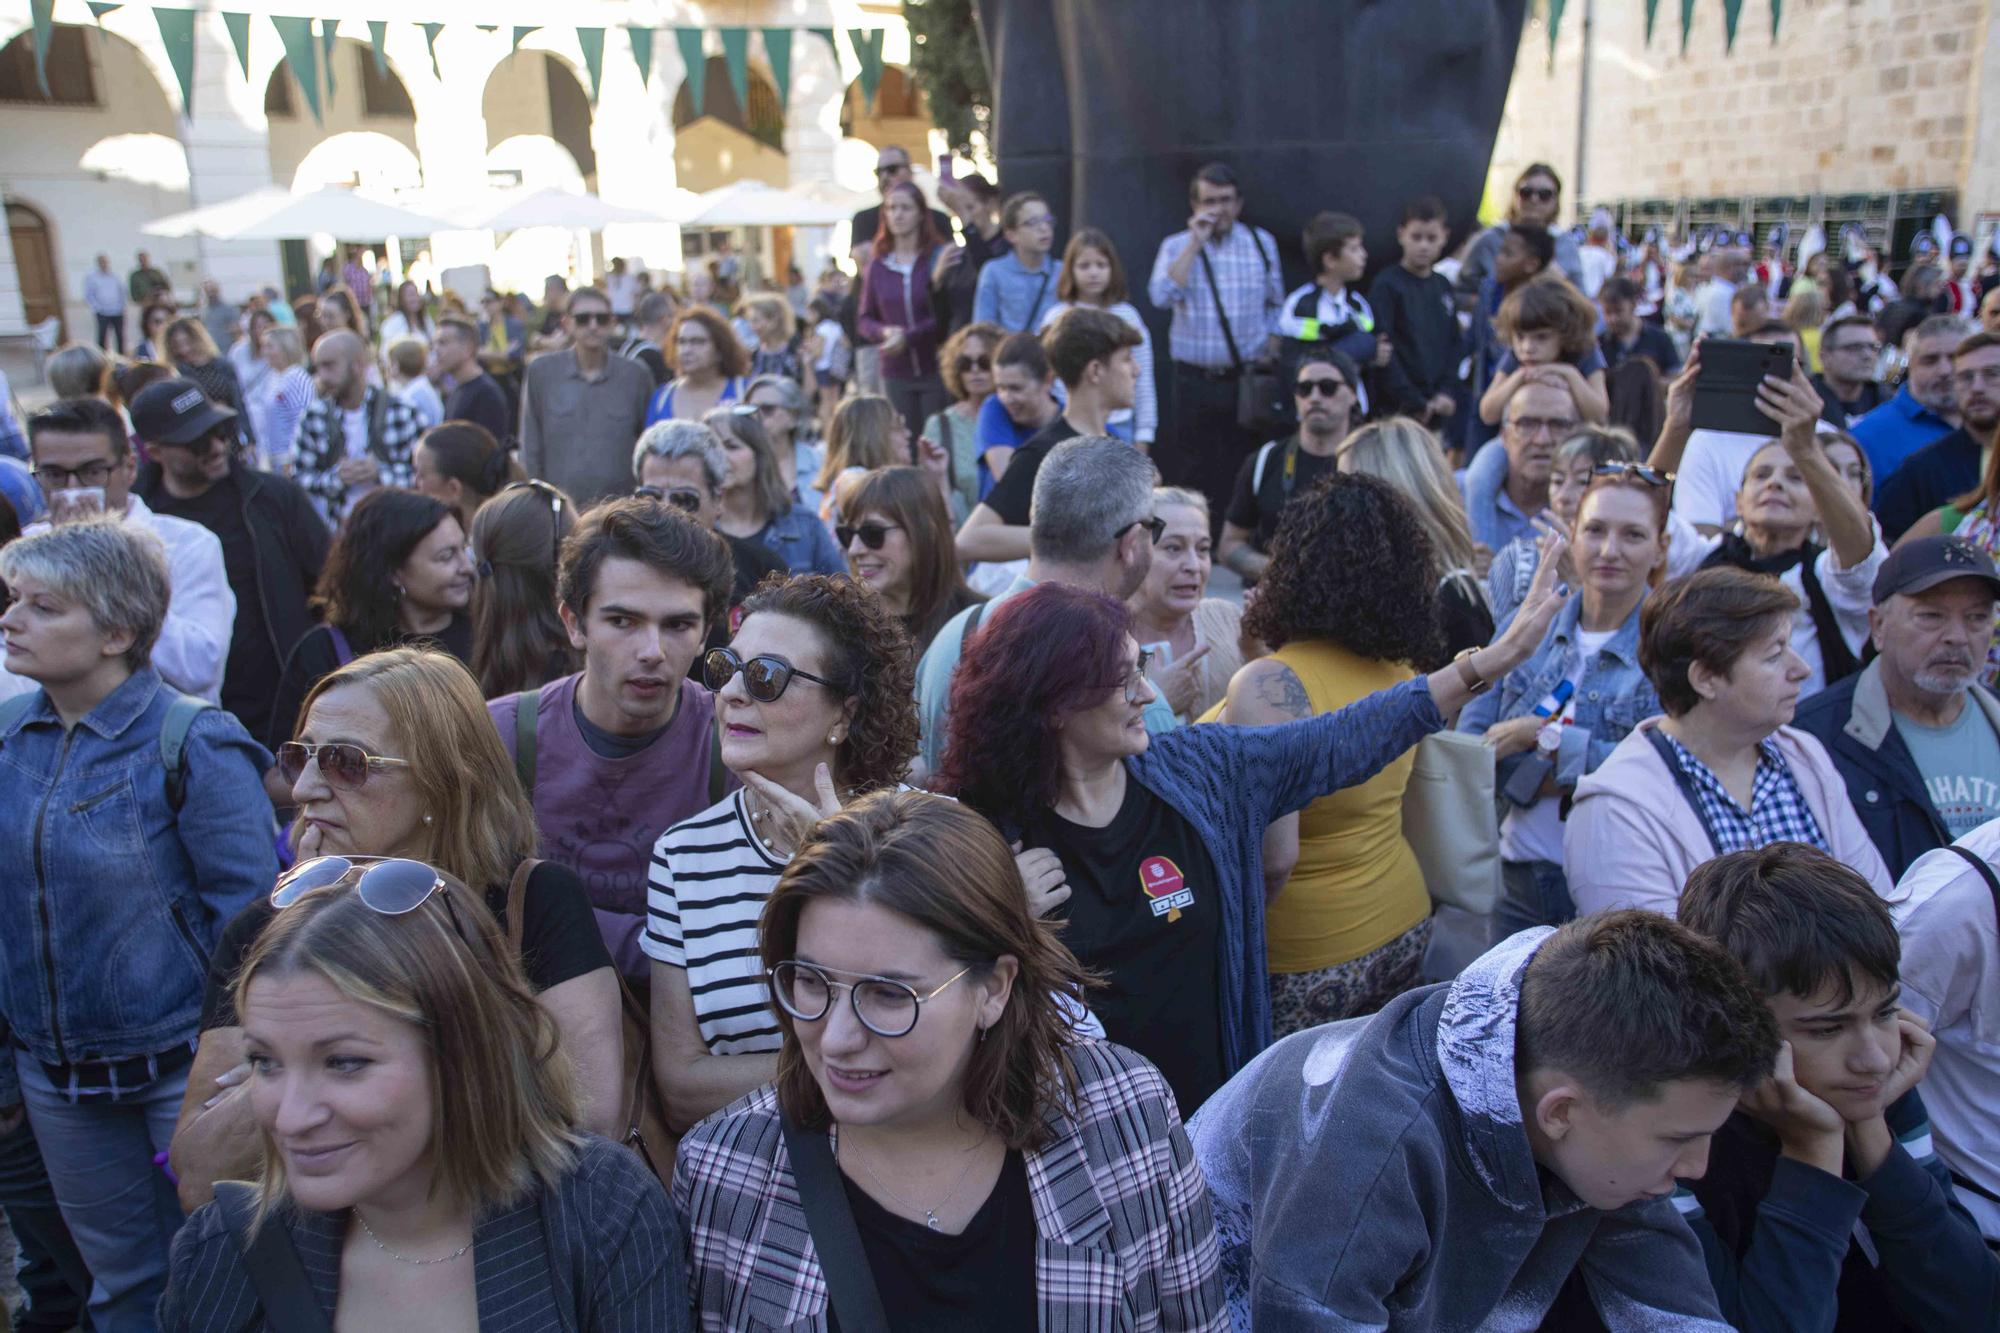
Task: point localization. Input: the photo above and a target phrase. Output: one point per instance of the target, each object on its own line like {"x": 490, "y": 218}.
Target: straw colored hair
{"x": 1408, "y": 457}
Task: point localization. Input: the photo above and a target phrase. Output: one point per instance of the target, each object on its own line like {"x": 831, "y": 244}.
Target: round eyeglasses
{"x": 886, "y": 1008}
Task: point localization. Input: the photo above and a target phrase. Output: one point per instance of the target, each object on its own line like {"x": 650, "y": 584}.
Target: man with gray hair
{"x": 682, "y": 463}
{"x": 1091, "y": 525}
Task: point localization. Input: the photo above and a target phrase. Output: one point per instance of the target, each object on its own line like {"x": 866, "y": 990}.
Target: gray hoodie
{"x": 1375, "y": 1174}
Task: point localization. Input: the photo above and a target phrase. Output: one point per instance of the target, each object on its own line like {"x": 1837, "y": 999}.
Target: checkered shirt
{"x": 1253, "y": 289}
{"x": 1778, "y": 810}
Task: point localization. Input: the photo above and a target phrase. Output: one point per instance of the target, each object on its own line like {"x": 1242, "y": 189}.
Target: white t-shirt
{"x": 354, "y": 427}
{"x": 1535, "y": 833}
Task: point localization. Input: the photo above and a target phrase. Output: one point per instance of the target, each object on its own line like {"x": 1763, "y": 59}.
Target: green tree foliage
{"x": 950, "y": 67}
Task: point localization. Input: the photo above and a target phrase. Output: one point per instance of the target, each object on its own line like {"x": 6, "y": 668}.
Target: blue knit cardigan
{"x": 1231, "y": 782}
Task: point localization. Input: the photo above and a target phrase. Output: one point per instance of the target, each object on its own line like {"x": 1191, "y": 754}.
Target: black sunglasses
{"x": 970, "y": 363}
{"x": 872, "y": 535}
{"x": 1539, "y": 193}
{"x": 556, "y": 499}
{"x": 1326, "y": 388}
{"x": 685, "y": 498}
{"x": 1156, "y": 526}
{"x": 589, "y": 317}
{"x": 1652, "y": 476}
{"x": 765, "y": 677}
{"x": 892, "y": 170}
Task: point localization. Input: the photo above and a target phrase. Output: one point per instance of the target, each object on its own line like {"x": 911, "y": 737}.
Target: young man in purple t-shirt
{"x": 624, "y": 749}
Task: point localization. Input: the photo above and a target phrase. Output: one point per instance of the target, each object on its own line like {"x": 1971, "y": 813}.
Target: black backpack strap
{"x": 527, "y": 713}
{"x": 284, "y": 1291}
{"x": 1978, "y": 863}
{"x": 971, "y": 627}
{"x": 850, "y": 1284}
{"x": 1685, "y": 783}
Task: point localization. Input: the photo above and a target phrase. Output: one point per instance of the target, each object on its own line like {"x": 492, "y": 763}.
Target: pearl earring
{"x": 833, "y": 738}
{"x": 427, "y": 820}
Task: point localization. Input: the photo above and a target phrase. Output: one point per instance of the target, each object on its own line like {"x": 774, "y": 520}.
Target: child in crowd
{"x": 1550, "y": 329}
{"x": 836, "y": 357}
{"x": 1416, "y": 316}
{"x": 1092, "y": 276}
{"x": 1452, "y": 1161}
{"x": 407, "y": 358}
{"x": 1016, "y": 290}
{"x": 1824, "y": 1206}
{"x": 1325, "y": 312}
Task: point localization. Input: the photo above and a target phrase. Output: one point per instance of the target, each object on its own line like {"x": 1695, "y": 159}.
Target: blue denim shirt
{"x": 803, "y": 542}
{"x": 1492, "y": 514}
{"x": 111, "y": 901}
{"x": 1613, "y": 697}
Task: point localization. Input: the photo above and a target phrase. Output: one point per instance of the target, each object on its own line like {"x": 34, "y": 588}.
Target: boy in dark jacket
{"x": 1416, "y": 314}
{"x": 1449, "y": 1162}
{"x": 1824, "y": 1206}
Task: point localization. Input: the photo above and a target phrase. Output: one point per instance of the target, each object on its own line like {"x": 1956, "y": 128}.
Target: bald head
{"x": 340, "y": 367}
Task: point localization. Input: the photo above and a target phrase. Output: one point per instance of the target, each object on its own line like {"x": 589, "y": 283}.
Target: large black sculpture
{"x": 1106, "y": 107}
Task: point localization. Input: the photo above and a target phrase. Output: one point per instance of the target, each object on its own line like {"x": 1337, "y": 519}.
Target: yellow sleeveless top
{"x": 1357, "y": 885}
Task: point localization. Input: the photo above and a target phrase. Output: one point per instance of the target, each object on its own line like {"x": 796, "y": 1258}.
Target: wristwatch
{"x": 1548, "y": 741}
{"x": 1474, "y": 682}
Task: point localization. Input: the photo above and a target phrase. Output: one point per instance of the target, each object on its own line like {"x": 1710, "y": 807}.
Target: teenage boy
{"x": 1451, "y": 1161}
{"x": 1327, "y": 312}
{"x": 621, "y": 751}
{"x": 1416, "y": 315}
{"x": 1091, "y": 351}
{"x": 1824, "y": 1206}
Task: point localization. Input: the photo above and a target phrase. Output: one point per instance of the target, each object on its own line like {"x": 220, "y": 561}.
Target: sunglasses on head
{"x": 589, "y": 317}
{"x": 765, "y": 677}
{"x": 1326, "y": 388}
{"x": 392, "y": 886}
{"x": 872, "y": 535}
{"x": 555, "y": 498}
{"x": 971, "y": 363}
{"x": 1652, "y": 476}
{"x": 342, "y": 763}
{"x": 685, "y": 498}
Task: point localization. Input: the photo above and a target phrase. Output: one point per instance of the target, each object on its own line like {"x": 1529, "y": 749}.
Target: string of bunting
{"x": 308, "y": 45}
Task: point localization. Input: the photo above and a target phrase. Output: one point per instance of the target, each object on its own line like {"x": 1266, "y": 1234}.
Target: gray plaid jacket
{"x": 315, "y": 465}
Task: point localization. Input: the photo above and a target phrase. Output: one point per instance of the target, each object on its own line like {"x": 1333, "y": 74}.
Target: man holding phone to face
{"x": 83, "y": 460}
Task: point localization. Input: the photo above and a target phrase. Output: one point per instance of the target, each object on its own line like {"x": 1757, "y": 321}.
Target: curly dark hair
{"x": 1039, "y": 657}
{"x": 868, "y": 658}
{"x": 1352, "y": 563}
{"x": 357, "y": 585}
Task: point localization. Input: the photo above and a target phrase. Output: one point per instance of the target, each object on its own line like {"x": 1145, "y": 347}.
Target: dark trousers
{"x": 1200, "y": 446}
{"x": 111, "y": 332}
{"x": 51, "y": 1272}
{"x": 916, "y": 400}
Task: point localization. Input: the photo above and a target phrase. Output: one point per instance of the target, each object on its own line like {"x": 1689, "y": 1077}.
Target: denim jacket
{"x": 1611, "y": 699}
{"x": 111, "y": 901}
{"x": 803, "y": 542}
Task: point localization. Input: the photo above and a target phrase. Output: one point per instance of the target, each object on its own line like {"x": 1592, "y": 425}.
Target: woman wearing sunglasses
{"x": 120, "y": 868}
{"x": 966, "y": 365}
{"x": 396, "y": 756}
{"x": 787, "y": 416}
{"x": 815, "y": 701}
{"x": 1561, "y": 713}
{"x": 899, "y": 542}
{"x": 934, "y": 1115}
{"x": 424, "y": 1159}
{"x": 398, "y": 572}
{"x": 1160, "y": 838}
{"x": 518, "y": 640}
{"x": 758, "y": 506}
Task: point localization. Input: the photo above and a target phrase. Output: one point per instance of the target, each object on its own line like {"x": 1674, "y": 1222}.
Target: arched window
{"x": 68, "y": 67}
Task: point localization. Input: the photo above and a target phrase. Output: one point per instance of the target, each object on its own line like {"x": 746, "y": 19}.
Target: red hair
{"x": 927, "y": 234}
{"x": 1052, "y": 651}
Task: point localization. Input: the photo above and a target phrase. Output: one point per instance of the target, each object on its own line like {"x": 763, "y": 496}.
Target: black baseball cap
{"x": 176, "y": 412}
{"x": 1926, "y": 562}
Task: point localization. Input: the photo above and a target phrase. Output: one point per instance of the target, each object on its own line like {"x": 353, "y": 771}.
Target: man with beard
{"x": 1923, "y": 409}
{"x": 1915, "y": 737}
{"x": 353, "y": 436}
{"x": 1324, "y": 384}
{"x": 1947, "y": 467}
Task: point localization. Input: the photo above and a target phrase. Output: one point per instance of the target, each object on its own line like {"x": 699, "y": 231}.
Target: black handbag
{"x": 284, "y": 1292}
{"x": 850, "y": 1283}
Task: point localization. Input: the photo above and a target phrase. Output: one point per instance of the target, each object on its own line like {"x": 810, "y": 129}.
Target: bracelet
{"x": 1474, "y": 682}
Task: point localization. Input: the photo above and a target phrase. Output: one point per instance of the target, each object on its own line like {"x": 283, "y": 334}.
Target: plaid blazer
{"x": 315, "y": 468}
{"x": 1127, "y": 1240}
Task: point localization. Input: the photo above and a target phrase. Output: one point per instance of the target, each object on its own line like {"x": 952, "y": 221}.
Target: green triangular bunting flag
{"x": 487, "y": 27}
{"x": 521, "y": 31}
{"x": 239, "y": 37}
{"x": 1732, "y": 14}
{"x": 1652, "y": 12}
{"x": 328, "y": 30}
{"x": 177, "y": 32}
{"x": 1777, "y": 11}
{"x": 1687, "y": 23}
{"x": 778, "y": 51}
{"x": 1555, "y": 27}
{"x": 689, "y": 41}
{"x": 98, "y": 9}
{"x": 302, "y": 55}
{"x": 642, "y": 53}
{"x": 378, "y": 33}
{"x": 42, "y": 13}
{"x": 592, "y": 42}
{"x": 736, "y": 59}
{"x": 431, "y": 31}
{"x": 867, "y": 43}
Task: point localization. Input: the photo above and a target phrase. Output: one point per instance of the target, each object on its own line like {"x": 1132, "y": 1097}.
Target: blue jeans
{"x": 120, "y": 1208}
{"x": 51, "y": 1272}
{"x": 1533, "y": 893}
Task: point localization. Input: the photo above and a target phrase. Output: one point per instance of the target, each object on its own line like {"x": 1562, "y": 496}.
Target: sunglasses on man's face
{"x": 892, "y": 169}
{"x": 341, "y": 763}
{"x": 1326, "y": 388}
{"x": 680, "y": 497}
{"x": 765, "y": 677}
{"x": 1540, "y": 194}
{"x": 586, "y": 318}
{"x": 872, "y": 535}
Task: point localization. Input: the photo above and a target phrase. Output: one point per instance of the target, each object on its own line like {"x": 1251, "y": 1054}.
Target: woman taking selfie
{"x": 424, "y": 1163}
{"x": 898, "y": 541}
{"x": 935, "y": 1117}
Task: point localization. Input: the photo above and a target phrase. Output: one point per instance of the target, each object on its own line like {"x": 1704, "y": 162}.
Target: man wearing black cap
{"x": 1914, "y": 735}
{"x": 273, "y": 540}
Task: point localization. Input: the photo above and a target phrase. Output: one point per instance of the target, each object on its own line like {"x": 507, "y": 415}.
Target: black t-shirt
{"x": 559, "y": 938}
{"x": 314, "y": 655}
{"x": 1142, "y": 912}
{"x": 483, "y": 402}
{"x": 1653, "y": 342}
{"x": 753, "y": 561}
{"x": 1256, "y": 509}
{"x": 250, "y": 678}
{"x": 609, "y": 744}
{"x": 1013, "y": 493}
{"x": 979, "y": 1281}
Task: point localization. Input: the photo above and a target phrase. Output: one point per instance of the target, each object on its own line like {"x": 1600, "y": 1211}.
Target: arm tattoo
{"x": 1282, "y": 691}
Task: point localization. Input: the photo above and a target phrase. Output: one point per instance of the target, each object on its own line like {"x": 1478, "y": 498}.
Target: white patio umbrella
{"x": 551, "y": 207}
{"x": 755, "y": 204}
{"x": 272, "y": 214}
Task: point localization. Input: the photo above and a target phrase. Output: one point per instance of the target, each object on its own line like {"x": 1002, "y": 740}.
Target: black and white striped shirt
{"x": 705, "y": 890}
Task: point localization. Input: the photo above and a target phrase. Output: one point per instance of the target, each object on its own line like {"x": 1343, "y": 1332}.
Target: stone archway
{"x": 900, "y": 115}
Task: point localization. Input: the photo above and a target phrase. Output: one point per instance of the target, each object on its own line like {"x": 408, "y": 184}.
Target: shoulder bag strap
{"x": 1048, "y": 265}
{"x": 971, "y": 627}
{"x": 850, "y": 1285}
{"x": 181, "y": 714}
{"x": 527, "y": 716}
{"x": 517, "y": 897}
{"x": 284, "y": 1292}
{"x": 1222, "y": 315}
{"x": 1985, "y": 872}
{"x": 718, "y": 776}
{"x": 1685, "y": 783}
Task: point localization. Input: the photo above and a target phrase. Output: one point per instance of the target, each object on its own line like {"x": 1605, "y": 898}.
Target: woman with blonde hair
{"x": 396, "y": 756}
{"x": 194, "y": 354}
{"x": 1198, "y": 639}
{"x": 1408, "y": 457}
{"x": 779, "y": 349}
{"x": 756, "y": 505}
{"x": 867, "y": 432}
{"x": 518, "y": 640}
{"x": 1805, "y": 312}
{"x": 412, "y": 1103}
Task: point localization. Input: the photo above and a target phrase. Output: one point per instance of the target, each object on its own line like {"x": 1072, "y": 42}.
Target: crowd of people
{"x": 736, "y": 808}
